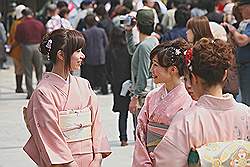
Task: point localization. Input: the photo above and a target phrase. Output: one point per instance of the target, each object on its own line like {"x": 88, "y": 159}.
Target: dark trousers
{"x": 96, "y": 75}
{"x": 123, "y": 117}
{"x": 244, "y": 80}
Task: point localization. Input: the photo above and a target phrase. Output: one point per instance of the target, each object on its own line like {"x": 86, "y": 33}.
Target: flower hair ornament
{"x": 188, "y": 58}
{"x": 48, "y": 45}
{"x": 174, "y": 52}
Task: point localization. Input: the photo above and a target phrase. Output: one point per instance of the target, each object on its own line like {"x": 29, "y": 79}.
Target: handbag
{"x": 221, "y": 154}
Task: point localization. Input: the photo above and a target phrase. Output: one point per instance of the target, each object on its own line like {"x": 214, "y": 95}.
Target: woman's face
{"x": 190, "y": 36}
{"x": 76, "y": 60}
{"x": 188, "y": 86}
{"x": 160, "y": 74}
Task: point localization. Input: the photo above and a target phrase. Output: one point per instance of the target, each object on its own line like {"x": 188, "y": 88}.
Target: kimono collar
{"x": 218, "y": 103}
{"x": 56, "y": 79}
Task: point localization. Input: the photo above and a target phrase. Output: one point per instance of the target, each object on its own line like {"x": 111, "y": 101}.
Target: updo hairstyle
{"x": 65, "y": 40}
{"x": 210, "y": 59}
{"x": 171, "y": 53}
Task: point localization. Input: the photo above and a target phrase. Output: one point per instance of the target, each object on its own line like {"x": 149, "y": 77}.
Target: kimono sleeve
{"x": 45, "y": 130}
{"x": 141, "y": 157}
{"x": 100, "y": 141}
{"x": 174, "y": 148}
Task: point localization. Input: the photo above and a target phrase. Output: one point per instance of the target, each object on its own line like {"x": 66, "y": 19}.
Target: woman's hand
{"x": 97, "y": 162}
{"x": 133, "y": 105}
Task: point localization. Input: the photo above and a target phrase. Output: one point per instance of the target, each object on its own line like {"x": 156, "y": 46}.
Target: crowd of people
{"x": 180, "y": 67}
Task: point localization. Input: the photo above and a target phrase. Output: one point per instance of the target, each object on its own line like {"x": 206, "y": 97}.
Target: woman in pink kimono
{"x": 62, "y": 115}
{"x": 163, "y": 103}
{"x": 216, "y": 117}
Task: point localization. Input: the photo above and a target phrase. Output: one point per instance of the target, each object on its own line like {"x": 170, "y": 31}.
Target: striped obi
{"x": 155, "y": 133}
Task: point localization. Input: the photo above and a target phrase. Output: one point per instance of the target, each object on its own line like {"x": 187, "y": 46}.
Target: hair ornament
{"x": 49, "y": 43}
{"x": 188, "y": 58}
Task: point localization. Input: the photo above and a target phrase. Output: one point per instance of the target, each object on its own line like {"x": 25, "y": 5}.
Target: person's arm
{"x": 18, "y": 34}
{"x": 130, "y": 42}
{"x": 143, "y": 70}
{"x": 240, "y": 39}
{"x": 43, "y": 118}
{"x": 101, "y": 147}
{"x": 3, "y": 33}
{"x": 141, "y": 157}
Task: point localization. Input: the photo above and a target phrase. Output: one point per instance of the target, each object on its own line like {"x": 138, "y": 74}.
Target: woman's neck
{"x": 214, "y": 91}
{"x": 170, "y": 86}
{"x": 60, "y": 71}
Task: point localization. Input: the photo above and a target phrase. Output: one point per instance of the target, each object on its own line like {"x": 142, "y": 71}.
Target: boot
{"x": 19, "y": 79}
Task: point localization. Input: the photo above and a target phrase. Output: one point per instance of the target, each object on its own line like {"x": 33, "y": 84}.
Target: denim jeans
{"x": 123, "y": 117}
{"x": 244, "y": 80}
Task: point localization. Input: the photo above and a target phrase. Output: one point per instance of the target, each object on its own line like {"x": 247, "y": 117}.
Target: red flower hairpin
{"x": 188, "y": 56}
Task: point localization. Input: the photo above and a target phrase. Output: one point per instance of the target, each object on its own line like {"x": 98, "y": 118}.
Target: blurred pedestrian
{"x": 197, "y": 28}
{"x": 118, "y": 67}
{"x": 64, "y": 13}
{"x": 182, "y": 15}
{"x": 140, "y": 63}
{"x": 242, "y": 39}
{"x": 3, "y": 39}
{"x": 63, "y": 115}
{"x": 29, "y": 34}
{"x": 96, "y": 43}
{"x": 16, "y": 50}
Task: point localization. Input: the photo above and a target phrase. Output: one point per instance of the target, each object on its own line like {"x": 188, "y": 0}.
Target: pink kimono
{"x": 154, "y": 119}
{"x": 212, "y": 119}
{"x": 48, "y": 144}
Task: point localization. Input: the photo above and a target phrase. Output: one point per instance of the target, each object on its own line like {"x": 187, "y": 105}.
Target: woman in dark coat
{"x": 118, "y": 67}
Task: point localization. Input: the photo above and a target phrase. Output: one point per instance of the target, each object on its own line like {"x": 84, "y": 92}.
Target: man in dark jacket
{"x": 96, "y": 43}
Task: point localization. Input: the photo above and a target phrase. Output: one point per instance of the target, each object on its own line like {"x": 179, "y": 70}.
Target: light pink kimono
{"x": 47, "y": 144}
{"x": 159, "y": 107}
{"x": 212, "y": 119}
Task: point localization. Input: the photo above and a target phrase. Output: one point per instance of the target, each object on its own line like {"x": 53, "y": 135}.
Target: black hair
{"x": 182, "y": 15}
{"x": 63, "y": 11}
{"x": 90, "y": 20}
{"x": 145, "y": 29}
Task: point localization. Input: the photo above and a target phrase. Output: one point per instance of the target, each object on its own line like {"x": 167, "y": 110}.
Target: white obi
{"x": 76, "y": 124}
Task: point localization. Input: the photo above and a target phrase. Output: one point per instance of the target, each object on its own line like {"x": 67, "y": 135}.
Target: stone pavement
{"x": 13, "y": 133}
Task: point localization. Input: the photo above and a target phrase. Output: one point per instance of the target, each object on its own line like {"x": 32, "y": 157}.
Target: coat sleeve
{"x": 141, "y": 157}
{"x": 100, "y": 141}
{"x": 143, "y": 70}
{"x": 174, "y": 148}
{"x": 45, "y": 130}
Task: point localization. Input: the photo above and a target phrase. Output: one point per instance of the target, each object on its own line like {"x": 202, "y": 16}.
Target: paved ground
{"x": 13, "y": 133}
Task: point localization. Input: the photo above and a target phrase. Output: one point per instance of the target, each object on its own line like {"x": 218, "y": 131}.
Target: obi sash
{"x": 155, "y": 133}
{"x": 221, "y": 154}
{"x": 76, "y": 124}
